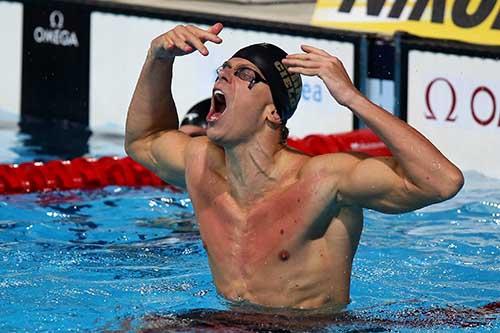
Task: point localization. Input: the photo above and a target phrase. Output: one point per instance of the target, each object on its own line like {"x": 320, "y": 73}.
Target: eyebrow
{"x": 249, "y": 65}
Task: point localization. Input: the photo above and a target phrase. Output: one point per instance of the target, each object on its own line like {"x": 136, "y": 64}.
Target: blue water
{"x": 111, "y": 259}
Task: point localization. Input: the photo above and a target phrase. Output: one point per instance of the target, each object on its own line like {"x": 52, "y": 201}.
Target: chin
{"x": 215, "y": 137}
{"x": 220, "y": 139}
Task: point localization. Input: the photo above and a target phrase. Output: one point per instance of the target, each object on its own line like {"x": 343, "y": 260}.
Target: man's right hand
{"x": 152, "y": 137}
{"x": 184, "y": 39}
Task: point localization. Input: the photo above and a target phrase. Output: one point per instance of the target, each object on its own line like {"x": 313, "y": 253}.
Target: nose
{"x": 223, "y": 74}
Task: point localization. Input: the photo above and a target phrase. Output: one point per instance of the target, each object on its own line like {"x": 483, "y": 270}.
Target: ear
{"x": 272, "y": 115}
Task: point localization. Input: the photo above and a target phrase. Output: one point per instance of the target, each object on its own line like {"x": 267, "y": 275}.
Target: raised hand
{"x": 317, "y": 62}
{"x": 184, "y": 39}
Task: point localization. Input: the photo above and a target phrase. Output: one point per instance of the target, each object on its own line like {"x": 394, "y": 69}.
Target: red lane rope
{"x": 362, "y": 141}
{"x": 79, "y": 173}
{"x": 89, "y": 173}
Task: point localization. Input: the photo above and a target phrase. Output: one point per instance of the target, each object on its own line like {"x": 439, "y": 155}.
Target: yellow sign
{"x": 472, "y": 21}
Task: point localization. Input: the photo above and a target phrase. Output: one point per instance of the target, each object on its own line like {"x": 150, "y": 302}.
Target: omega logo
{"x": 56, "y": 35}
{"x": 56, "y": 20}
{"x": 482, "y": 114}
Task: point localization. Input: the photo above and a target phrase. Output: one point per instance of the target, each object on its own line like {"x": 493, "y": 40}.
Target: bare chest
{"x": 275, "y": 250}
{"x": 269, "y": 229}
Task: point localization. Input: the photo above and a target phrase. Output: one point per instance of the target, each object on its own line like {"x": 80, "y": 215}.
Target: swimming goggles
{"x": 243, "y": 73}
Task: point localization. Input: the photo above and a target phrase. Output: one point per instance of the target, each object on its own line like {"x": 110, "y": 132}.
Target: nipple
{"x": 284, "y": 255}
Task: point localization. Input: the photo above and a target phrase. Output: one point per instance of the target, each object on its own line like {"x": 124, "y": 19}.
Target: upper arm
{"x": 370, "y": 182}
{"x": 164, "y": 154}
{"x": 378, "y": 183}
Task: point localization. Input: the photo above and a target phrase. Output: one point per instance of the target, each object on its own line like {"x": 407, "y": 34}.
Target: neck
{"x": 251, "y": 168}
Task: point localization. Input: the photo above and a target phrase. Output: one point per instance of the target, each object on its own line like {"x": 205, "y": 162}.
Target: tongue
{"x": 213, "y": 115}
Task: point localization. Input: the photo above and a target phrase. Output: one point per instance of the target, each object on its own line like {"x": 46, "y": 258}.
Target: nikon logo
{"x": 460, "y": 14}
{"x": 56, "y": 34}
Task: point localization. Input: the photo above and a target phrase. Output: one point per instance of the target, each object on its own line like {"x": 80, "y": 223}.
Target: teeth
{"x": 212, "y": 118}
{"x": 218, "y": 92}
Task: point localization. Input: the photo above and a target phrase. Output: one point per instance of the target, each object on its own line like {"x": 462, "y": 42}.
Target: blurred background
{"x": 90, "y": 248}
{"x": 69, "y": 68}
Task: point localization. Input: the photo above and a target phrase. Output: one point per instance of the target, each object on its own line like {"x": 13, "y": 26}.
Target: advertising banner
{"x": 55, "y": 62}
{"x": 11, "y": 17}
{"x": 119, "y": 46}
{"x": 454, "y": 100}
{"x": 472, "y": 21}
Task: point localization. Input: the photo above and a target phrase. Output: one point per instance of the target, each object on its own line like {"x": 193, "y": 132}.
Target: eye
{"x": 246, "y": 74}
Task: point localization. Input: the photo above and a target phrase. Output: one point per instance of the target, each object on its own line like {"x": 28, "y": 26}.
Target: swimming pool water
{"x": 108, "y": 259}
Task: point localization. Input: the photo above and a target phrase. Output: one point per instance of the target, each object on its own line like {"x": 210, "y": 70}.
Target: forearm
{"x": 421, "y": 162}
{"x": 420, "y": 175}
{"x": 152, "y": 108}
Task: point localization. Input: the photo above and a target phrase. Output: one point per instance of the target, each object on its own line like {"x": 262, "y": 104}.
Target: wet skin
{"x": 280, "y": 228}
{"x": 291, "y": 247}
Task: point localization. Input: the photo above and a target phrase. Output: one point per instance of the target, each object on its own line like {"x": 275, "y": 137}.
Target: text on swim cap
{"x": 291, "y": 82}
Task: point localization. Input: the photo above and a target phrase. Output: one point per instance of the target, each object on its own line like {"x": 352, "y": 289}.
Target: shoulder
{"x": 331, "y": 165}
{"x": 200, "y": 145}
{"x": 202, "y": 152}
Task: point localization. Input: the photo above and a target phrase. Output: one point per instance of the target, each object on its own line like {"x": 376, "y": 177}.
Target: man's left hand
{"x": 317, "y": 62}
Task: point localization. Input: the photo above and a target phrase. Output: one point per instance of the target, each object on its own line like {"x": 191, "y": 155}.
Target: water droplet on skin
{"x": 436, "y": 165}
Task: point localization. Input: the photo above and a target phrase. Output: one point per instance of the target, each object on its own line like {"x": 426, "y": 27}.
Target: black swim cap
{"x": 285, "y": 87}
{"x": 197, "y": 114}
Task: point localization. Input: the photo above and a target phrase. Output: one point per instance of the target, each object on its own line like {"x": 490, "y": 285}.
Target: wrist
{"x": 159, "y": 55}
{"x": 352, "y": 99}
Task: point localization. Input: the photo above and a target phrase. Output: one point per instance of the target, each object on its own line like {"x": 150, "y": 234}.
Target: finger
{"x": 180, "y": 42}
{"x": 306, "y": 56}
{"x": 301, "y": 63}
{"x": 303, "y": 56}
{"x": 314, "y": 50}
{"x": 194, "y": 41}
{"x": 216, "y": 28}
{"x": 304, "y": 71}
{"x": 168, "y": 43}
{"x": 204, "y": 35}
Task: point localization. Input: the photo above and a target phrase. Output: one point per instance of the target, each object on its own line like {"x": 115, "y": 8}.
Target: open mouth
{"x": 219, "y": 106}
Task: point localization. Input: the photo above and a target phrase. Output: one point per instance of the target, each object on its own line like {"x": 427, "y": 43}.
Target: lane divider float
{"x": 91, "y": 173}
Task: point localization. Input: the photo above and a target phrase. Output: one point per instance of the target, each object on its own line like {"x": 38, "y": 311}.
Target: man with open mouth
{"x": 280, "y": 228}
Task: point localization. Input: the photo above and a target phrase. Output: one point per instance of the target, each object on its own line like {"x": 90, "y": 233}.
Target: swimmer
{"x": 281, "y": 228}
{"x": 194, "y": 122}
